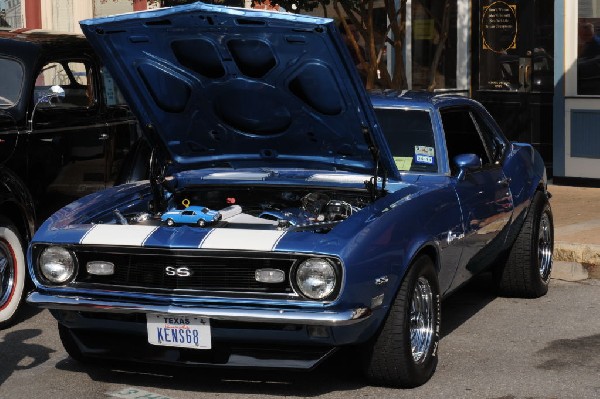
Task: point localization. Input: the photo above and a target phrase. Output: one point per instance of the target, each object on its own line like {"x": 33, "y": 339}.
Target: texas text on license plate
{"x": 182, "y": 331}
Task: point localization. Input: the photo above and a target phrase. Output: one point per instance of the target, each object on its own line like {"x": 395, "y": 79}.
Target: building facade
{"x": 535, "y": 64}
{"x": 577, "y": 93}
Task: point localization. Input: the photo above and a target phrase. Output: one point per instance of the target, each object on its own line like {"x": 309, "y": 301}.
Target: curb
{"x": 575, "y": 260}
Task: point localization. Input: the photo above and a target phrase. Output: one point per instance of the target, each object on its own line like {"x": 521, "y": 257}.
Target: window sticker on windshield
{"x": 403, "y": 163}
{"x": 424, "y": 155}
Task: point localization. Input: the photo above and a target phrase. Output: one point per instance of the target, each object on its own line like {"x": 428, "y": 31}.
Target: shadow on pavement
{"x": 26, "y": 312}
{"x": 16, "y": 354}
{"x": 467, "y": 302}
{"x": 339, "y": 373}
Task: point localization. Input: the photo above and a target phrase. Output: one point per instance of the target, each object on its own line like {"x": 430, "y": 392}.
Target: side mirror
{"x": 54, "y": 92}
{"x": 465, "y": 163}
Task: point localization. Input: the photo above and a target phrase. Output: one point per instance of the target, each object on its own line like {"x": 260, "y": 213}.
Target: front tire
{"x": 404, "y": 351}
{"x": 526, "y": 272}
{"x": 12, "y": 273}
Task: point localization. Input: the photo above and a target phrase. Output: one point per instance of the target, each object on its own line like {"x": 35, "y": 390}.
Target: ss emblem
{"x": 178, "y": 271}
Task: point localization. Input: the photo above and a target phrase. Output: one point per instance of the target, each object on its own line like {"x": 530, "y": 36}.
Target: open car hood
{"x": 232, "y": 87}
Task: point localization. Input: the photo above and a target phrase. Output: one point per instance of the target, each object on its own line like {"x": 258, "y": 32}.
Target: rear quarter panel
{"x": 525, "y": 167}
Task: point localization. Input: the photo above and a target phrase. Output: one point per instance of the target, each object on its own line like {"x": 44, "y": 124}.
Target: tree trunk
{"x": 445, "y": 27}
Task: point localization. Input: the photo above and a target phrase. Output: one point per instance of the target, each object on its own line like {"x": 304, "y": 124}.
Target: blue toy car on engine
{"x": 346, "y": 217}
{"x": 191, "y": 215}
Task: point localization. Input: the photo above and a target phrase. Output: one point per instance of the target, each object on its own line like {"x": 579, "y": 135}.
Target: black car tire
{"x": 170, "y": 222}
{"x": 12, "y": 272}
{"x": 389, "y": 358}
{"x": 526, "y": 272}
{"x": 68, "y": 342}
{"x": 201, "y": 223}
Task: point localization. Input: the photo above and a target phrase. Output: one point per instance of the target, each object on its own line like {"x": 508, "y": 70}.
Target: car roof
{"x": 416, "y": 99}
{"x": 43, "y": 38}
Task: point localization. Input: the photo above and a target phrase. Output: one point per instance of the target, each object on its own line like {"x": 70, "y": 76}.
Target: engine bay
{"x": 269, "y": 208}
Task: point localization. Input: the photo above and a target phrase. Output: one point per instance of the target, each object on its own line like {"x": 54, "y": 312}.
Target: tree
{"x": 357, "y": 15}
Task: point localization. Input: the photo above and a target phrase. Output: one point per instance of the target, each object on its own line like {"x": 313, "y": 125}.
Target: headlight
{"x": 57, "y": 264}
{"x": 316, "y": 278}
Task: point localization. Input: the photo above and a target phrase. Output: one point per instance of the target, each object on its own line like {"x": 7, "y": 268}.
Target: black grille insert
{"x": 187, "y": 271}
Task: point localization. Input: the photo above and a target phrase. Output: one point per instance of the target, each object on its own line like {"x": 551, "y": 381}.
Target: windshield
{"x": 409, "y": 134}
{"x": 11, "y": 82}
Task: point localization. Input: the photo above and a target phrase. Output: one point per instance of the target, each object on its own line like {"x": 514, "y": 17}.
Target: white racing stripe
{"x": 117, "y": 234}
{"x": 252, "y": 240}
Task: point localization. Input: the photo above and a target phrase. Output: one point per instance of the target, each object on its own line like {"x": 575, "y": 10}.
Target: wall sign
{"x": 498, "y": 56}
{"x": 499, "y": 27}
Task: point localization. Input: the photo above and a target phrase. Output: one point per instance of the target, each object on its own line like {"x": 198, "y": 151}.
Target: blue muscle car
{"x": 346, "y": 217}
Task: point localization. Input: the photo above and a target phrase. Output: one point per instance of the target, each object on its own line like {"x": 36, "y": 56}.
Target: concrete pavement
{"x": 576, "y": 212}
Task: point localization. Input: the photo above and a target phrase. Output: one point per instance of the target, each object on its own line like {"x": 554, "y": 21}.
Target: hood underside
{"x": 237, "y": 88}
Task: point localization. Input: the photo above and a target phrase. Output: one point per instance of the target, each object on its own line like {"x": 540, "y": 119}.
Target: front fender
{"x": 377, "y": 258}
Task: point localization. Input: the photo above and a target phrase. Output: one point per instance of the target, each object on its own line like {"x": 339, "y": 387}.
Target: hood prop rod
{"x": 157, "y": 178}
{"x": 372, "y": 183}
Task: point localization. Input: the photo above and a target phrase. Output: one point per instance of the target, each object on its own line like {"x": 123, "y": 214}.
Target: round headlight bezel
{"x": 304, "y": 266}
{"x": 50, "y": 261}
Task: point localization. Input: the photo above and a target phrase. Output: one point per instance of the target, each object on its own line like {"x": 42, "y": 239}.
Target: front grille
{"x": 206, "y": 272}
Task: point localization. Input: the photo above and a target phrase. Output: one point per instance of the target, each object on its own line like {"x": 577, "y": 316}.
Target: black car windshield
{"x": 11, "y": 82}
{"x": 409, "y": 134}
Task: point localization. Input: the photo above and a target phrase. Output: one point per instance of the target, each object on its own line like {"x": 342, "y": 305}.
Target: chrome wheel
{"x": 404, "y": 351}
{"x": 421, "y": 320}
{"x": 545, "y": 246}
{"x": 7, "y": 275}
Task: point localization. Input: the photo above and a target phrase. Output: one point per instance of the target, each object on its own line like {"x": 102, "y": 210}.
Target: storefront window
{"x": 434, "y": 44}
{"x": 588, "y": 47}
{"x": 10, "y": 14}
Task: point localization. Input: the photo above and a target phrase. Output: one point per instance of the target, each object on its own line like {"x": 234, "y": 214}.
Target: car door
{"x": 11, "y": 83}
{"x": 67, "y": 140}
{"x": 483, "y": 192}
{"x": 409, "y": 135}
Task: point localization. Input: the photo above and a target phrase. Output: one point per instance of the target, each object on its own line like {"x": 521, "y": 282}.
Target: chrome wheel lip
{"x": 422, "y": 319}
{"x": 7, "y": 276}
{"x": 545, "y": 246}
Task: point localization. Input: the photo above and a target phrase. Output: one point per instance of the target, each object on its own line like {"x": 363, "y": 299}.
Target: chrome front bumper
{"x": 282, "y": 316}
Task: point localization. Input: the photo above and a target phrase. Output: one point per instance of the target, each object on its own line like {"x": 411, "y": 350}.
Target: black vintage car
{"x": 65, "y": 131}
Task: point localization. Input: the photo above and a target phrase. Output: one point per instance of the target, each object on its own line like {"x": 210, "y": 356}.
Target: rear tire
{"x": 201, "y": 223}
{"x": 526, "y": 272}
{"x": 404, "y": 351}
{"x": 12, "y": 273}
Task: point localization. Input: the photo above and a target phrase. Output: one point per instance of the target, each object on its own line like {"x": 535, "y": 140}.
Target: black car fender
{"x": 16, "y": 203}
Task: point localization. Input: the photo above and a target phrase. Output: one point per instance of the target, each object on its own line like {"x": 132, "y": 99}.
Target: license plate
{"x": 181, "y": 331}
